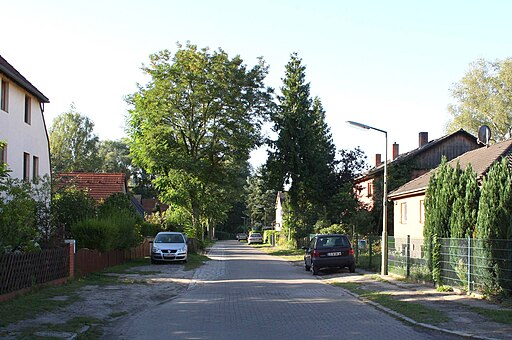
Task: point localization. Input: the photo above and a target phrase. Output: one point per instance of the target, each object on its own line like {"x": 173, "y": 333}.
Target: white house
{"x": 22, "y": 125}
{"x": 281, "y": 197}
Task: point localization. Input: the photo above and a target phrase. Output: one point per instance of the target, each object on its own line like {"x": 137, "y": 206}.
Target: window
{"x": 403, "y": 212}
{"x": 35, "y": 168}
{"x": 422, "y": 211}
{"x": 26, "y": 166}
{"x": 3, "y": 154}
{"x": 28, "y": 110}
{"x": 4, "y": 96}
{"x": 370, "y": 189}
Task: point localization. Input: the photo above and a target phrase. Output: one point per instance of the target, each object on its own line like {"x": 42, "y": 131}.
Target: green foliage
{"x": 259, "y": 200}
{"x": 117, "y": 231}
{"x": 18, "y": 229}
{"x": 303, "y": 155}
{"x": 115, "y": 156}
{"x": 118, "y": 203}
{"x": 71, "y": 204}
{"x": 335, "y": 229}
{"x": 484, "y": 96}
{"x": 268, "y": 234}
{"x": 494, "y": 223}
{"x": 193, "y": 126}
{"x": 3, "y": 167}
{"x": 150, "y": 229}
{"x": 73, "y": 145}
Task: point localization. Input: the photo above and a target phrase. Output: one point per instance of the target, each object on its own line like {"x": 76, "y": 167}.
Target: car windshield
{"x": 331, "y": 241}
{"x": 256, "y": 235}
{"x": 169, "y": 238}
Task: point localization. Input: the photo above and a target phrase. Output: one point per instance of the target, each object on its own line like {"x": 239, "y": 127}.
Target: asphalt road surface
{"x": 245, "y": 294}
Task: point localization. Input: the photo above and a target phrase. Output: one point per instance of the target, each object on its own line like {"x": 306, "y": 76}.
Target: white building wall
{"x": 22, "y": 137}
{"x": 415, "y": 222}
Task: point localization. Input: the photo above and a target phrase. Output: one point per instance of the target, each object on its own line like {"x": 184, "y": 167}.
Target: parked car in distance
{"x": 254, "y": 238}
{"x": 169, "y": 246}
{"x": 329, "y": 251}
{"x": 241, "y": 237}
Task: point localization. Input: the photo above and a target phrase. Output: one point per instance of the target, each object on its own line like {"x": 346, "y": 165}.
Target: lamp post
{"x": 384, "y": 266}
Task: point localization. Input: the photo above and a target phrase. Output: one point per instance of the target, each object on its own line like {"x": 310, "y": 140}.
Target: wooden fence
{"x": 19, "y": 271}
{"x": 89, "y": 261}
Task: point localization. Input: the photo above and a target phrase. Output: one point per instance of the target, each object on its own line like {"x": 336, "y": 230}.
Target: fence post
{"x": 71, "y": 256}
{"x": 469, "y": 264}
{"x": 370, "y": 252}
{"x": 357, "y": 248}
{"x": 408, "y": 256}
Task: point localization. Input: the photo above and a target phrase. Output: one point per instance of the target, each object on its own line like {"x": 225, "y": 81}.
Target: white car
{"x": 254, "y": 238}
{"x": 169, "y": 246}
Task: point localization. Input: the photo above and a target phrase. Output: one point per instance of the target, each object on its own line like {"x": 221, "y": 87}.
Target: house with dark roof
{"x": 100, "y": 185}
{"x": 22, "y": 125}
{"x": 414, "y": 163}
{"x": 408, "y": 200}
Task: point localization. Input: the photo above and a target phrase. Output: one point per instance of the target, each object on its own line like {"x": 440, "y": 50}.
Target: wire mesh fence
{"x": 483, "y": 266}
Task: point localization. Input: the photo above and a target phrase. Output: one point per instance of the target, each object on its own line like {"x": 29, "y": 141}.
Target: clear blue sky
{"x": 388, "y": 64}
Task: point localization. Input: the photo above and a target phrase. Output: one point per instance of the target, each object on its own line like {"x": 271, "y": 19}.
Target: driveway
{"x": 244, "y": 293}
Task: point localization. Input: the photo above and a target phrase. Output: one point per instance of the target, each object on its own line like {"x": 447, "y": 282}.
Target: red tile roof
{"x": 151, "y": 204}
{"x": 99, "y": 185}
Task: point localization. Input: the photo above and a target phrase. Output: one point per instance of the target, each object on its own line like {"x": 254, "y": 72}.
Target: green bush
{"x": 116, "y": 203}
{"x": 150, "y": 229}
{"x": 70, "y": 205}
{"x": 267, "y": 235}
{"x": 117, "y": 231}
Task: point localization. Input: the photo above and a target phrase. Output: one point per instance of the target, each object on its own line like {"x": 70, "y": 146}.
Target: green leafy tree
{"x": 484, "y": 96}
{"x": 3, "y": 167}
{"x": 303, "y": 155}
{"x": 73, "y": 144}
{"x": 193, "y": 126}
{"x": 70, "y": 205}
{"x": 115, "y": 156}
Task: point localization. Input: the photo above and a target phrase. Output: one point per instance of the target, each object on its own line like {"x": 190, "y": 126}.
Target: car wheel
{"x": 352, "y": 268}
{"x": 308, "y": 268}
{"x": 314, "y": 269}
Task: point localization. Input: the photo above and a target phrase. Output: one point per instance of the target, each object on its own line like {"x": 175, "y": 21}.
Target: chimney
{"x": 378, "y": 160}
{"x": 423, "y": 138}
{"x": 395, "y": 150}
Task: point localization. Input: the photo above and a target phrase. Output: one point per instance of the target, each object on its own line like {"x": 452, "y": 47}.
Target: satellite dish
{"x": 484, "y": 134}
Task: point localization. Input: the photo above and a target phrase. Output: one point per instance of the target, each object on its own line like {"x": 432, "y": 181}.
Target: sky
{"x": 387, "y": 64}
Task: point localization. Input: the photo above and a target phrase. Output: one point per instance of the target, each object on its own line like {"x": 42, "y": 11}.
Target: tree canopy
{"x": 73, "y": 144}
{"x": 484, "y": 96}
{"x": 193, "y": 126}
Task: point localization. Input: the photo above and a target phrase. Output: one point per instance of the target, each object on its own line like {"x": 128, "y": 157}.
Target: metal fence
{"x": 468, "y": 264}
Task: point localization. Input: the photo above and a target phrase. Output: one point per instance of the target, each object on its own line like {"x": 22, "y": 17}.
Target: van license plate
{"x": 338, "y": 253}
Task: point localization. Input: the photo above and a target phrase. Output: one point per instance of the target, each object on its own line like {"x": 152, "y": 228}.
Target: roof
{"x": 412, "y": 153}
{"x": 99, "y": 185}
{"x": 480, "y": 159}
{"x": 150, "y": 205}
{"x": 15, "y": 76}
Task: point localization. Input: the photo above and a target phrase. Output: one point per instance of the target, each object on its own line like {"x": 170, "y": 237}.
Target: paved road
{"x": 245, "y": 294}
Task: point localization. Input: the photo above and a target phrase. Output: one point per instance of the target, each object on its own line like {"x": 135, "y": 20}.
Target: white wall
{"x": 415, "y": 222}
{"x": 22, "y": 137}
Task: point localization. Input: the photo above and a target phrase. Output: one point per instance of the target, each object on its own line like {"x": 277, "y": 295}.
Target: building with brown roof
{"x": 408, "y": 200}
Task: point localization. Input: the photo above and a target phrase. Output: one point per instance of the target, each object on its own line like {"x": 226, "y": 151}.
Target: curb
{"x": 411, "y": 321}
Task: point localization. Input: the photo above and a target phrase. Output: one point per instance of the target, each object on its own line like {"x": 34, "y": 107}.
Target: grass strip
{"x": 500, "y": 316}
{"x": 195, "y": 260}
{"x": 415, "y": 311}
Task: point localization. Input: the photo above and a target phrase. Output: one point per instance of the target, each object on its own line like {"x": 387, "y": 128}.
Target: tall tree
{"x": 73, "y": 144}
{"x": 115, "y": 156}
{"x": 193, "y": 126}
{"x": 484, "y": 96}
{"x": 260, "y": 200}
{"x": 303, "y": 153}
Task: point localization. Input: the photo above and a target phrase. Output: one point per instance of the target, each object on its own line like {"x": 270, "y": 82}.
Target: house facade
{"x": 281, "y": 197}
{"x": 408, "y": 200}
{"x": 22, "y": 125}
{"x": 414, "y": 163}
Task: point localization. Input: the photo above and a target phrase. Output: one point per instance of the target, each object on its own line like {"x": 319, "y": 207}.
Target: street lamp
{"x": 384, "y": 266}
